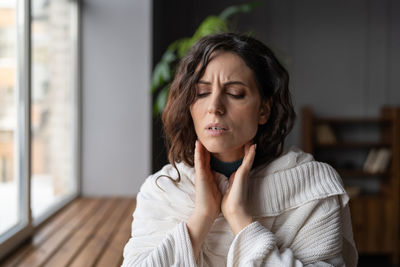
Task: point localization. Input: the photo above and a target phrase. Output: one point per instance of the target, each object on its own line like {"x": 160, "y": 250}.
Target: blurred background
{"x": 76, "y": 106}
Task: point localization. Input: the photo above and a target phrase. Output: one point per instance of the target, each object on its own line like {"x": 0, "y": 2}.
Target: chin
{"x": 211, "y": 146}
{"x": 218, "y": 147}
{"x": 214, "y": 149}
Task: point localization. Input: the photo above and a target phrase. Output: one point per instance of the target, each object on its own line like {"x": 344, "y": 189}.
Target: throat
{"x": 226, "y": 168}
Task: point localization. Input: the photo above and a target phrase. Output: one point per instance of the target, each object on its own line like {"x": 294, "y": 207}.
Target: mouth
{"x": 216, "y": 129}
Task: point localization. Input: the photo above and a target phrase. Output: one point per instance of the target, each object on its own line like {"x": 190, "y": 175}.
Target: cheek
{"x": 249, "y": 121}
{"x": 195, "y": 114}
{"x": 251, "y": 128}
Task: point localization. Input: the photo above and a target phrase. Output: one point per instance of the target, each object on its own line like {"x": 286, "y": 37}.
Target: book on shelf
{"x": 377, "y": 160}
{"x": 370, "y": 159}
{"x": 325, "y": 134}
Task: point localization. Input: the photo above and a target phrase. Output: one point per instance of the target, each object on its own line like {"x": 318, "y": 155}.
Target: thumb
{"x": 231, "y": 178}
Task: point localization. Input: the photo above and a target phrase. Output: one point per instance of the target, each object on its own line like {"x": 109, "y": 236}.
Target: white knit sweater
{"x": 299, "y": 204}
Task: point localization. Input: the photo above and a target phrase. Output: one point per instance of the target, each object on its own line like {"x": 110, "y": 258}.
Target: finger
{"x": 246, "y": 148}
{"x": 239, "y": 184}
{"x": 202, "y": 157}
{"x": 196, "y": 154}
{"x": 250, "y": 152}
{"x": 205, "y": 156}
{"x": 198, "y": 157}
{"x": 231, "y": 178}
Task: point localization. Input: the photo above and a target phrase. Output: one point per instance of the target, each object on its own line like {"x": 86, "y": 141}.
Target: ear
{"x": 265, "y": 111}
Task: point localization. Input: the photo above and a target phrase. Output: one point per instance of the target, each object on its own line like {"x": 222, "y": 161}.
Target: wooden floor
{"x": 88, "y": 232}
{"x": 93, "y": 232}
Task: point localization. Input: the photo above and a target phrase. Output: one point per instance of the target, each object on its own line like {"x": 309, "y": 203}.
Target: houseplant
{"x": 164, "y": 70}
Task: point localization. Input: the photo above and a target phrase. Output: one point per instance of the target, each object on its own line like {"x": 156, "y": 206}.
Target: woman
{"x": 230, "y": 196}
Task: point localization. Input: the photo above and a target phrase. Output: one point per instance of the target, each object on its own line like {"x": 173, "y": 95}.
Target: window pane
{"x": 52, "y": 104}
{"x": 9, "y": 187}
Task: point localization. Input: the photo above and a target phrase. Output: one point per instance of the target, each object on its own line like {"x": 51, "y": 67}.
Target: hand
{"x": 207, "y": 201}
{"x": 208, "y": 196}
{"x": 235, "y": 199}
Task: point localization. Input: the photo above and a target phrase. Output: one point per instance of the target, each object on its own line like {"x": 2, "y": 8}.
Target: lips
{"x": 216, "y": 129}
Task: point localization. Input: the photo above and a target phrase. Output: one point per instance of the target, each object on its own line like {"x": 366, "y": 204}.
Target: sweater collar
{"x": 290, "y": 180}
{"x": 289, "y": 159}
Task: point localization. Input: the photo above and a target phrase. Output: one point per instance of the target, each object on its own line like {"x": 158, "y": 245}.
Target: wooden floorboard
{"x": 88, "y": 232}
{"x": 45, "y": 250}
{"x": 112, "y": 254}
{"x": 44, "y": 232}
{"x": 98, "y": 242}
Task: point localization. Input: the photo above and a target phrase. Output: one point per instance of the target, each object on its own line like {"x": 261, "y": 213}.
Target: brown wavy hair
{"x": 273, "y": 84}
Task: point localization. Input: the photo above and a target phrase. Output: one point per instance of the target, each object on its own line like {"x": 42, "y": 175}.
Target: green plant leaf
{"x": 165, "y": 70}
{"x": 169, "y": 56}
{"x": 161, "y": 100}
{"x": 210, "y": 25}
{"x": 173, "y": 46}
{"x": 160, "y": 75}
{"x": 183, "y": 46}
{"x": 245, "y": 8}
{"x": 156, "y": 78}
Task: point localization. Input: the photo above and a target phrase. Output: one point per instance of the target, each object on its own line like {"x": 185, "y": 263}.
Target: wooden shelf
{"x": 375, "y": 217}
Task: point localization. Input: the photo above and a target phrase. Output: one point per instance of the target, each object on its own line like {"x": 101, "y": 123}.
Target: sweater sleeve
{"x": 174, "y": 250}
{"x": 159, "y": 233}
{"x": 317, "y": 243}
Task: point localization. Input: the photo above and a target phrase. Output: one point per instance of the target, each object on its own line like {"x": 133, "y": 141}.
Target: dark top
{"x": 226, "y": 168}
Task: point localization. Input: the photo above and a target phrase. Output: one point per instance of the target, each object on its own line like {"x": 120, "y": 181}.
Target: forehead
{"x": 226, "y": 66}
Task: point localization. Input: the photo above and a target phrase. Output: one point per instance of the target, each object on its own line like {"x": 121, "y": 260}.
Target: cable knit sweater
{"x": 301, "y": 219}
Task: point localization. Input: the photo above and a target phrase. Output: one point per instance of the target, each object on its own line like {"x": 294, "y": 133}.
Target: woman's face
{"x": 228, "y": 107}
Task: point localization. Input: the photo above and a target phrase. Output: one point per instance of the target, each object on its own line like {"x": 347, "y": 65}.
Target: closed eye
{"x": 237, "y": 96}
{"x": 200, "y": 95}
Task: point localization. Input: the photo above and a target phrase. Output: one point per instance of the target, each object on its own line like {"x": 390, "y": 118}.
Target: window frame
{"x": 21, "y": 232}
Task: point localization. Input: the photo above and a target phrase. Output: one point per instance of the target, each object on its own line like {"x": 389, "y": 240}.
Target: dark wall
{"x": 343, "y": 57}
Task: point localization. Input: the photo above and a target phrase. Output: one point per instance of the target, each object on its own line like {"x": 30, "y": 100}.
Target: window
{"x": 52, "y": 104}
{"x": 39, "y": 113}
{"x": 9, "y": 190}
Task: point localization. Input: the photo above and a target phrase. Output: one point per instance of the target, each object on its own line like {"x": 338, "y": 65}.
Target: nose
{"x": 216, "y": 105}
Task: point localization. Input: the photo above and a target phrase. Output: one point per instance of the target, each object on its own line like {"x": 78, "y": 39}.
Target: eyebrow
{"x": 225, "y": 84}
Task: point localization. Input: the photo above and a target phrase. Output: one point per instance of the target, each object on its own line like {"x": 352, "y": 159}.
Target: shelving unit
{"x": 375, "y": 216}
